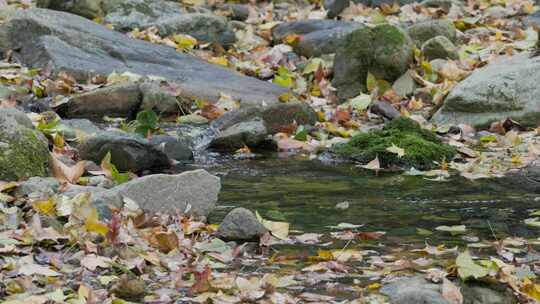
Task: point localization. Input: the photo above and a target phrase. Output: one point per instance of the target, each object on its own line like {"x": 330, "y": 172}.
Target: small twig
{"x": 343, "y": 249}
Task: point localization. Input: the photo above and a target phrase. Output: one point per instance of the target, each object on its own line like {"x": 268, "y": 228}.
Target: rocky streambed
{"x": 167, "y": 152}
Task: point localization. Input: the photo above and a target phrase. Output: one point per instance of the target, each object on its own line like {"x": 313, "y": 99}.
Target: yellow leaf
{"x": 222, "y": 60}
{"x": 291, "y": 39}
{"x": 47, "y": 207}
{"x": 516, "y": 160}
{"x": 531, "y": 289}
{"x": 325, "y": 255}
{"x": 374, "y": 286}
{"x": 92, "y": 223}
{"x": 184, "y": 41}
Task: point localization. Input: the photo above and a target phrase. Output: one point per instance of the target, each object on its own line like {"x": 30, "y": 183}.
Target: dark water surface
{"x": 305, "y": 193}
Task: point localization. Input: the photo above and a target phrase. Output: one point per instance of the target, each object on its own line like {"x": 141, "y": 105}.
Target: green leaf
{"x": 467, "y": 268}
{"x": 423, "y": 232}
{"x": 312, "y": 66}
{"x": 486, "y": 139}
{"x": 371, "y": 82}
{"x": 283, "y": 77}
{"x": 146, "y": 120}
{"x": 301, "y": 133}
{"x": 360, "y": 102}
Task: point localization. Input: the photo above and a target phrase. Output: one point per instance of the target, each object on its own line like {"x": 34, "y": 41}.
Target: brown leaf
{"x": 451, "y": 292}
{"x": 211, "y": 112}
{"x": 370, "y": 235}
{"x": 65, "y": 173}
{"x": 167, "y": 241}
{"x": 202, "y": 281}
{"x": 342, "y": 116}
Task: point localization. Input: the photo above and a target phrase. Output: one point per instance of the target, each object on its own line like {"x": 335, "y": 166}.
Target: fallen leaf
{"x": 66, "y": 173}
{"x": 277, "y": 229}
{"x": 92, "y": 262}
{"x": 451, "y": 292}
{"x": 467, "y": 268}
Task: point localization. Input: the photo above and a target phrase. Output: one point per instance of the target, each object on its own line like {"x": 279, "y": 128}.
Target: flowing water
{"x": 305, "y": 193}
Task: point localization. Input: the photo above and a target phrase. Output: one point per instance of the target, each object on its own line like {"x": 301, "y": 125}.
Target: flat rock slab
{"x": 191, "y": 192}
{"x": 82, "y": 48}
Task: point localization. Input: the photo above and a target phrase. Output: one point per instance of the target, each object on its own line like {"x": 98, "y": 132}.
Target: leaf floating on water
{"x": 278, "y": 229}
{"x": 344, "y": 226}
{"x": 372, "y": 165}
{"x": 452, "y": 229}
{"x": 533, "y": 222}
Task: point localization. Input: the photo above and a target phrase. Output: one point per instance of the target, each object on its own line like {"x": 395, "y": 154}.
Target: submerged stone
{"x": 422, "y": 147}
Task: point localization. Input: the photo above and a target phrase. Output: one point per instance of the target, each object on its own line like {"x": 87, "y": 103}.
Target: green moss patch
{"x": 422, "y": 147}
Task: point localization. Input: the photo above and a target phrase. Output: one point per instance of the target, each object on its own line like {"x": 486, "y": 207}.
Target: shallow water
{"x": 305, "y": 193}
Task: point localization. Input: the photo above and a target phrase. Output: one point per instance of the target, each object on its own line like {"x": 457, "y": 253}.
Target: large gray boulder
{"x": 169, "y": 17}
{"x": 129, "y": 152}
{"x": 24, "y": 151}
{"x": 82, "y": 48}
{"x": 384, "y": 51}
{"x": 504, "y": 88}
{"x": 191, "y": 192}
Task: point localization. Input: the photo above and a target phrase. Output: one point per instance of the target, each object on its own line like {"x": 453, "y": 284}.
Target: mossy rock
{"x": 385, "y": 51}
{"x": 422, "y": 147}
{"x": 23, "y": 150}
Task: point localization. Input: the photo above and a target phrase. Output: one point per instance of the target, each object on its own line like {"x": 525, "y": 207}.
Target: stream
{"x": 305, "y": 194}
